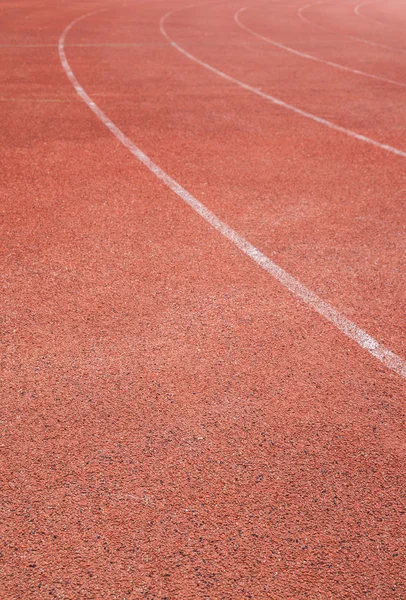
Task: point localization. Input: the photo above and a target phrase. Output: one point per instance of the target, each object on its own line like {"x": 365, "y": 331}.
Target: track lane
{"x": 360, "y": 12}
{"x": 333, "y": 45}
{"x": 334, "y": 23}
{"x": 335, "y": 253}
{"x": 303, "y": 101}
{"x": 368, "y": 343}
{"x": 305, "y": 55}
{"x": 165, "y": 417}
{"x": 126, "y": 443}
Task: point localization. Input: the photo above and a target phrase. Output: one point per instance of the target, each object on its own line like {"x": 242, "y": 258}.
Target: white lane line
{"x": 301, "y": 16}
{"x": 351, "y": 37}
{"x": 347, "y": 327}
{"x": 310, "y": 56}
{"x": 277, "y": 101}
{"x": 357, "y": 11}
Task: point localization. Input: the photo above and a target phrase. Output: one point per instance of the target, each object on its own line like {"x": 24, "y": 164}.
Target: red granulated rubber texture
{"x": 175, "y": 424}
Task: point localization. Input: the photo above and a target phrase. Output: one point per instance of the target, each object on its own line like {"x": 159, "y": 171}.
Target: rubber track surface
{"x": 174, "y": 422}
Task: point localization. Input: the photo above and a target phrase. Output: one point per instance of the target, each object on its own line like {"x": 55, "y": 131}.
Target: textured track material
{"x": 175, "y": 423}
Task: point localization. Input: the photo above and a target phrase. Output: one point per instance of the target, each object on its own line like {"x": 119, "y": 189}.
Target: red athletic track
{"x": 176, "y": 424}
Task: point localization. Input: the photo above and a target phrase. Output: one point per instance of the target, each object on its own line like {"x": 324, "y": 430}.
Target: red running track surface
{"x": 176, "y": 423}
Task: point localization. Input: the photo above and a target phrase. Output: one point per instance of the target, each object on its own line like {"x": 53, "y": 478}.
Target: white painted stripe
{"x": 352, "y": 331}
{"x": 358, "y": 12}
{"x": 277, "y": 101}
{"x": 305, "y": 19}
{"x": 351, "y": 37}
{"x": 310, "y": 56}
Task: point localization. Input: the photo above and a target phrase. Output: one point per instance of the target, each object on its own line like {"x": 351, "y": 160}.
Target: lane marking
{"x": 273, "y": 99}
{"x": 368, "y": 18}
{"x": 310, "y": 56}
{"x": 347, "y": 327}
{"x": 357, "y": 11}
{"x": 351, "y": 37}
{"x": 305, "y": 19}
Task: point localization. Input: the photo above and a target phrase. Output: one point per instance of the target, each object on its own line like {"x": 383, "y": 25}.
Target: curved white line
{"x": 368, "y": 18}
{"x": 357, "y": 11}
{"x": 273, "y": 99}
{"x": 310, "y": 56}
{"x": 301, "y": 16}
{"x": 351, "y": 37}
{"x": 350, "y": 329}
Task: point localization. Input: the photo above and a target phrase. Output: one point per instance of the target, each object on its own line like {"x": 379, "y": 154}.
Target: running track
{"x": 190, "y": 407}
